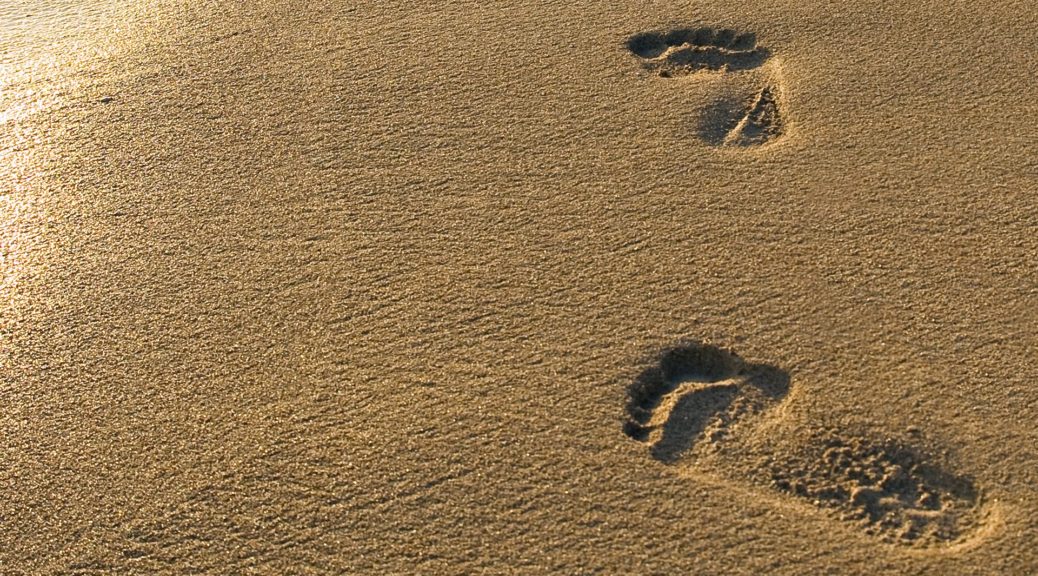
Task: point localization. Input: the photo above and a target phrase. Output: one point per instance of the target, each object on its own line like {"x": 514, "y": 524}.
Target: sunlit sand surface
{"x": 46, "y": 40}
{"x": 533, "y": 287}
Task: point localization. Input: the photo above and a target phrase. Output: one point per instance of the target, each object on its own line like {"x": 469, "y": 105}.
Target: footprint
{"x": 760, "y": 123}
{"x": 696, "y": 393}
{"x": 701, "y": 406}
{"x": 687, "y": 51}
{"x": 883, "y": 486}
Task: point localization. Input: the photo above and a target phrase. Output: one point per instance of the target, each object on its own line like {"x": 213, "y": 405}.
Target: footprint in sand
{"x": 684, "y": 52}
{"x": 701, "y": 407}
{"x": 694, "y": 393}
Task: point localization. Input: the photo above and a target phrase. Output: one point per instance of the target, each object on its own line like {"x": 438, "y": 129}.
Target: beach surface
{"x": 534, "y": 287}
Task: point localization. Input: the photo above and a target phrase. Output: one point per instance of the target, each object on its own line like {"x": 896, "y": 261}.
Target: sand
{"x": 535, "y": 287}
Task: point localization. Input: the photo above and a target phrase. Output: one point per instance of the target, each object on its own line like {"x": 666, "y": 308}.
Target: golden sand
{"x": 536, "y": 287}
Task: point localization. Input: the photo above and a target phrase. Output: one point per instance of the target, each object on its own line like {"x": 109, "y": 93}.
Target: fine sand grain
{"x": 531, "y": 287}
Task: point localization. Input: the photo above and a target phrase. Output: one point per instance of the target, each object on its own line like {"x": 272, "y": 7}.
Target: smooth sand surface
{"x": 458, "y": 287}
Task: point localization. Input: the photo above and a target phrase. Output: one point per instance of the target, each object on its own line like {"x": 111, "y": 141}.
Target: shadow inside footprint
{"x": 693, "y": 58}
{"x": 772, "y": 382}
{"x": 731, "y": 122}
{"x": 720, "y": 119}
{"x": 699, "y": 363}
{"x": 688, "y": 363}
{"x": 687, "y": 50}
{"x": 689, "y": 418}
{"x": 761, "y": 124}
{"x": 690, "y": 389}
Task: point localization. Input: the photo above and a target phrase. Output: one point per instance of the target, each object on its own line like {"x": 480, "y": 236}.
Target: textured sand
{"x": 419, "y": 287}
